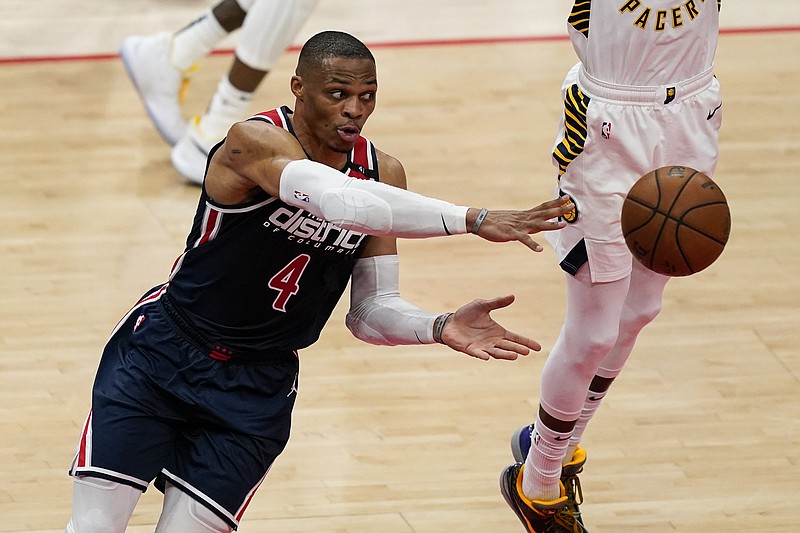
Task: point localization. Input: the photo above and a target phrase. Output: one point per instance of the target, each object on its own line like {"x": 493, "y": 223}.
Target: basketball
{"x": 676, "y": 221}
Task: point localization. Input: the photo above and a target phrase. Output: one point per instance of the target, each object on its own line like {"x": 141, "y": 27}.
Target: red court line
{"x": 394, "y": 44}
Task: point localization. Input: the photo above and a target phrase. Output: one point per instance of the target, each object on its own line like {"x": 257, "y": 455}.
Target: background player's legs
{"x": 159, "y": 65}
{"x": 183, "y": 513}
{"x": 196, "y": 40}
{"x": 101, "y": 506}
{"x": 267, "y": 31}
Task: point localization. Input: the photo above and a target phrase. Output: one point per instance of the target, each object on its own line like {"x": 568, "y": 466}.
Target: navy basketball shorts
{"x": 163, "y": 409}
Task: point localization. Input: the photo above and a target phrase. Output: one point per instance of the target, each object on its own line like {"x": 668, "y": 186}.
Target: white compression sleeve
{"x": 368, "y": 206}
{"x": 377, "y": 314}
{"x": 183, "y": 513}
{"x": 101, "y": 505}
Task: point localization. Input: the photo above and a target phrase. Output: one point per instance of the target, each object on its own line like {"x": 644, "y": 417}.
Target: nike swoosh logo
{"x": 595, "y": 398}
{"x": 561, "y": 438}
{"x": 714, "y": 112}
{"x": 444, "y": 224}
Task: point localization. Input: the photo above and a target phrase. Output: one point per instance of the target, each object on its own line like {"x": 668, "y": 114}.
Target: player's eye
{"x": 338, "y": 95}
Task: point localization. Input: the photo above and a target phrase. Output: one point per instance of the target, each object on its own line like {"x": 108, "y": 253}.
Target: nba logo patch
{"x": 303, "y": 197}
{"x": 605, "y": 130}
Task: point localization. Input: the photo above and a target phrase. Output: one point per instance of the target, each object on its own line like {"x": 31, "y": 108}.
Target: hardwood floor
{"x": 700, "y": 433}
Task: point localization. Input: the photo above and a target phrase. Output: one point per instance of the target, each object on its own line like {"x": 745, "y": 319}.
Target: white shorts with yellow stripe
{"x": 609, "y": 137}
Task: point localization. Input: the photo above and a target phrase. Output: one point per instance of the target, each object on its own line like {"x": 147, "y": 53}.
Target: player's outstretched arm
{"x": 377, "y": 208}
{"x": 472, "y": 330}
{"x": 256, "y": 154}
{"x": 378, "y": 315}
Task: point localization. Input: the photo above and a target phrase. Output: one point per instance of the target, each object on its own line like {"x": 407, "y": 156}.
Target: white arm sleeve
{"x": 368, "y": 206}
{"x": 377, "y": 313}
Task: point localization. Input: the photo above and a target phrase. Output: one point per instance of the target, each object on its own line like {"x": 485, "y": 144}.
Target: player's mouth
{"x": 348, "y": 133}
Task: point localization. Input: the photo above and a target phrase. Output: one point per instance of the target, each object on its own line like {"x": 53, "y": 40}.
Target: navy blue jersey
{"x": 265, "y": 276}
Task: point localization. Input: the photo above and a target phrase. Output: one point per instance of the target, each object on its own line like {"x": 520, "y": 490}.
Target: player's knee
{"x": 636, "y": 318}
{"x": 205, "y": 518}
{"x": 97, "y": 522}
{"x": 592, "y": 346}
{"x": 648, "y": 314}
{"x": 185, "y": 514}
{"x": 101, "y": 506}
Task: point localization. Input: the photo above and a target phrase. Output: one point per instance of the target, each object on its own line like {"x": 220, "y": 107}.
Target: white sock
{"x": 542, "y": 471}
{"x": 590, "y": 406}
{"x": 228, "y": 105}
{"x": 195, "y": 41}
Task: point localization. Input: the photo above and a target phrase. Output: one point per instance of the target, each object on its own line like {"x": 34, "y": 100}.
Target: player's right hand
{"x": 505, "y": 226}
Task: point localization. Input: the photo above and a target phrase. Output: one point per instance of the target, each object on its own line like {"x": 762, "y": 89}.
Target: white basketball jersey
{"x": 645, "y": 42}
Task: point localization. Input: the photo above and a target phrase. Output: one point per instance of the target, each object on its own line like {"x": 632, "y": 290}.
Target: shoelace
{"x": 569, "y": 517}
{"x": 566, "y": 522}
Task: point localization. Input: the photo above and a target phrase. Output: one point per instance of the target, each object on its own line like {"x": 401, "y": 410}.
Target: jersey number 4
{"x": 287, "y": 281}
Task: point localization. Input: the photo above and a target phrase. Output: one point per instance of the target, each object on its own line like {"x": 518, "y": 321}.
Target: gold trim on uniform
{"x": 579, "y": 16}
{"x": 572, "y": 216}
{"x": 575, "y": 105}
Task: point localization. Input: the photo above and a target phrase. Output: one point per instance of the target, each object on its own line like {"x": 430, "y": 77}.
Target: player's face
{"x": 337, "y": 99}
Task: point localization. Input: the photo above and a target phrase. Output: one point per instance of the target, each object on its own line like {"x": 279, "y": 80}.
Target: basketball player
{"x": 643, "y": 96}
{"x": 160, "y": 67}
{"x": 196, "y": 385}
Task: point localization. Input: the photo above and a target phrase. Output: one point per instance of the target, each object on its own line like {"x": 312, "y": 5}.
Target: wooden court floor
{"x": 701, "y": 433}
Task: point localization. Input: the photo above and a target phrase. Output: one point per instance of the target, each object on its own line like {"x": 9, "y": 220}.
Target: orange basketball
{"x": 676, "y": 221}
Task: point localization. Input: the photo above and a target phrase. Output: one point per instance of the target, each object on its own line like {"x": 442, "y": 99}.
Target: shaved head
{"x": 330, "y": 45}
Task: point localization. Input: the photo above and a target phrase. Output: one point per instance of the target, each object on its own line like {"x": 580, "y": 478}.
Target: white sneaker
{"x": 160, "y": 85}
{"x": 190, "y": 153}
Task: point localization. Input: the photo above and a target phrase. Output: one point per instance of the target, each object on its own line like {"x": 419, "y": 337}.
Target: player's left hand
{"x": 472, "y": 331}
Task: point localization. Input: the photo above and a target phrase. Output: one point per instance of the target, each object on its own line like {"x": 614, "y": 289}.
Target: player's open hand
{"x": 471, "y": 330}
{"x": 504, "y": 226}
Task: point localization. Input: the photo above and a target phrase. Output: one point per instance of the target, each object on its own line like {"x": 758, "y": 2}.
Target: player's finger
{"x": 547, "y": 221}
{"x": 554, "y": 202}
{"x": 526, "y": 239}
{"x": 496, "y": 352}
{"x": 498, "y": 302}
{"x": 478, "y": 353}
{"x": 519, "y": 343}
{"x": 562, "y": 202}
{"x": 552, "y": 209}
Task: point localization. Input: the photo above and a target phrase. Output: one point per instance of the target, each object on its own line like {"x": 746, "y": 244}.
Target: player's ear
{"x": 297, "y": 86}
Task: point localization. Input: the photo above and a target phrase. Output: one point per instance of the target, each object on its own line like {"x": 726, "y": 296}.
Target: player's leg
{"x": 131, "y": 430}
{"x": 642, "y": 305}
{"x": 233, "y": 439}
{"x": 160, "y": 65}
{"x": 101, "y": 506}
{"x": 183, "y": 513}
{"x": 589, "y": 332}
{"x": 267, "y": 31}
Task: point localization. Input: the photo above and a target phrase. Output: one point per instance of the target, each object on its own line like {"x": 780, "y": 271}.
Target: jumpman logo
{"x": 294, "y": 386}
